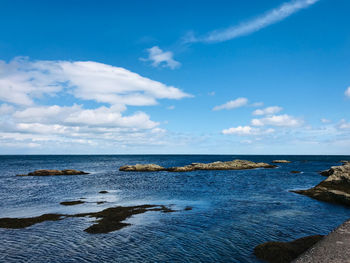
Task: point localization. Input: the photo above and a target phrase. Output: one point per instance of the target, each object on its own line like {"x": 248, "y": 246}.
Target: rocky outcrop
{"x": 284, "y": 252}
{"x": 335, "y": 189}
{"x": 230, "y": 165}
{"x": 281, "y": 161}
{"x": 142, "y": 168}
{"x": 53, "y": 172}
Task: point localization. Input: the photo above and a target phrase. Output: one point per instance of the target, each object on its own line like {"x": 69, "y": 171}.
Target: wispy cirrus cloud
{"x": 271, "y": 17}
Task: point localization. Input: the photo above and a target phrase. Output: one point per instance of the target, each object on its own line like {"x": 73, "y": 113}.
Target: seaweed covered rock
{"x": 46, "y": 172}
{"x": 285, "y": 252}
{"x": 334, "y": 189}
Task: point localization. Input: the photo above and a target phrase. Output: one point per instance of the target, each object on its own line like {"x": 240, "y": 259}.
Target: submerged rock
{"x": 230, "y": 165}
{"x": 284, "y": 252}
{"x": 142, "y": 168}
{"x": 335, "y": 189}
{"x": 46, "y": 172}
{"x": 67, "y": 203}
{"x": 281, "y": 161}
{"x": 295, "y": 172}
{"x": 107, "y": 220}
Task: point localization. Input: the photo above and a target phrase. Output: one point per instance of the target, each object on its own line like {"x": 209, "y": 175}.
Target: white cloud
{"x": 247, "y": 130}
{"x": 162, "y": 58}
{"x": 233, "y": 104}
{"x": 24, "y": 123}
{"x": 344, "y": 125}
{"x": 324, "y": 120}
{"x": 271, "y": 17}
{"x": 6, "y": 109}
{"x": 171, "y": 107}
{"x": 278, "y": 120}
{"x": 268, "y": 110}
{"x": 347, "y": 92}
{"x": 22, "y": 80}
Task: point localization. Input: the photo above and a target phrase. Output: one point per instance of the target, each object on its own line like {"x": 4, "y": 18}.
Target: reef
{"x": 107, "y": 220}
{"x": 230, "y": 165}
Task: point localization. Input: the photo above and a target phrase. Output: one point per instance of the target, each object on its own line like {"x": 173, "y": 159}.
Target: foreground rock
{"x": 53, "y": 172}
{"x": 284, "y": 252}
{"x": 107, "y": 220}
{"x": 333, "y": 248}
{"x": 335, "y": 189}
{"x": 281, "y": 161}
{"x": 230, "y": 165}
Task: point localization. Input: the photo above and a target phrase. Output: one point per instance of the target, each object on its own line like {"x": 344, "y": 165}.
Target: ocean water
{"x": 233, "y": 211}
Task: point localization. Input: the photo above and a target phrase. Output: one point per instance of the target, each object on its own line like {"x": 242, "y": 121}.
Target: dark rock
{"x": 334, "y": 189}
{"x": 53, "y": 172}
{"x": 295, "y": 172}
{"x": 100, "y": 202}
{"x": 103, "y": 192}
{"x": 78, "y": 202}
{"x": 107, "y": 220}
{"x": 26, "y": 222}
{"x": 187, "y": 208}
{"x": 230, "y": 165}
{"x": 285, "y": 252}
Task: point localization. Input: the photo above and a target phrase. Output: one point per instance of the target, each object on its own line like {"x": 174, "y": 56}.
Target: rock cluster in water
{"x": 335, "y": 189}
{"x": 284, "y": 252}
{"x": 46, "y": 172}
{"x": 230, "y": 165}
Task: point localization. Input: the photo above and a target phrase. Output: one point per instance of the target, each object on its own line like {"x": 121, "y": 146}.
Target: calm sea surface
{"x": 233, "y": 211}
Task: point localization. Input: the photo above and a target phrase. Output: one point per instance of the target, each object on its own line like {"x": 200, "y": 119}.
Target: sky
{"x": 175, "y": 77}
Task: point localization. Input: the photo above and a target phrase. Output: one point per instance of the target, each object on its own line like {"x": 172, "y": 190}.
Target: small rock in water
{"x": 78, "y": 202}
{"x": 295, "y": 172}
{"x": 103, "y": 192}
{"x": 46, "y": 172}
{"x": 281, "y": 161}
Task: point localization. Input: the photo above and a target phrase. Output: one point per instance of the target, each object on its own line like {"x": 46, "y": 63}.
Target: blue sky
{"x": 226, "y": 77}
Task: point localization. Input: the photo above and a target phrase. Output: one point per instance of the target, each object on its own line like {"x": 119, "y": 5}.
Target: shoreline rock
{"x": 334, "y": 189}
{"x": 229, "y": 165}
{"x": 284, "y": 252}
{"x": 48, "y": 172}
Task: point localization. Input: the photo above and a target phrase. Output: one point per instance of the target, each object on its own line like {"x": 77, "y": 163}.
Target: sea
{"x": 232, "y": 211}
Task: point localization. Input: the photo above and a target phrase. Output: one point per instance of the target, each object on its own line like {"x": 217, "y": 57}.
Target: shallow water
{"x": 233, "y": 211}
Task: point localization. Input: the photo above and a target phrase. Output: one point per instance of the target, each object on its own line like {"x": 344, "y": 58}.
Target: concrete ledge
{"x": 333, "y": 248}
